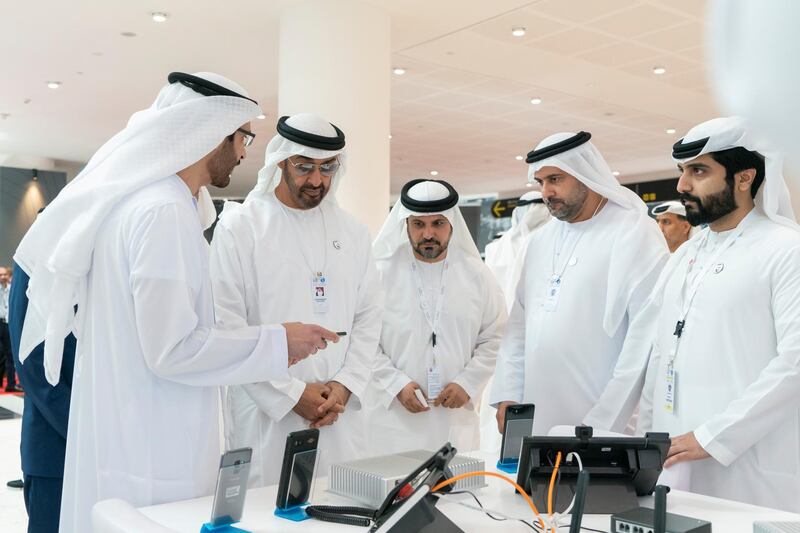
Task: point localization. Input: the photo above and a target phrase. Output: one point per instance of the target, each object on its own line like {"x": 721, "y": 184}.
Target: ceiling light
{"x": 536, "y": 101}
{"x": 158, "y": 16}
{"x": 261, "y": 117}
{"x": 399, "y": 71}
{"x": 659, "y": 71}
{"x": 518, "y": 31}
{"x": 434, "y": 173}
{"x": 54, "y": 84}
{"x": 518, "y": 158}
{"x": 390, "y": 136}
{"x": 670, "y": 131}
{"x": 529, "y": 184}
{"x": 616, "y": 172}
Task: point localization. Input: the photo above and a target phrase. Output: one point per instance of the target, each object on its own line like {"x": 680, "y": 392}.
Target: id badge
{"x": 670, "y": 384}
{"x": 319, "y": 294}
{"x": 434, "y": 383}
{"x": 551, "y": 299}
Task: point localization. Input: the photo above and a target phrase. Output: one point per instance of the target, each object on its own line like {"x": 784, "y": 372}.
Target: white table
{"x": 726, "y": 516}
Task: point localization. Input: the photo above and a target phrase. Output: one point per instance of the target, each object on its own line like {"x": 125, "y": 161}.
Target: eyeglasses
{"x": 247, "y": 136}
{"x": 327, "y": 168}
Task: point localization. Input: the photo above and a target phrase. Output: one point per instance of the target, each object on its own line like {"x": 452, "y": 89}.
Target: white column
{"x": 335, "y": 60}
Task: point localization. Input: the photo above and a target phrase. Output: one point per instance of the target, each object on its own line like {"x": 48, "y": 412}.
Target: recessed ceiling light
{"x": 529, "y": 184}
{"x": 518, "y": 31}
{"x": 518, "y": 158}
{"x": 659, "y": 71}
{"x": 128, "y": 34}
{"x": 434, "y": 173}
{"x": 670, "y": 131}
{"x": 54, "y": 84}
{"x": 261, "y": 117}
{"x": 616, "y": 172}
{"x": 536, "y": 101}
{"x": 390, "y": 136}
{"x": 158, "y": 16}
{"x": 399, "y": 71}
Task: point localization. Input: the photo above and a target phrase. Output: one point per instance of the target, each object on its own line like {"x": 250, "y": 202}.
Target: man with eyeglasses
{"x": 120, "y": 259}
{"x": 291, "y": 253}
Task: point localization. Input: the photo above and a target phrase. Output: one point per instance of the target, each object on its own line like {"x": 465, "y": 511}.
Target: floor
{"x": 12, "y": 507}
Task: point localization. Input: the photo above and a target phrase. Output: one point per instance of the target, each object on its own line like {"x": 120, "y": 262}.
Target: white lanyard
{"x": 688, "y": 299}
{"x": 314, "y": 270}
{"x": 556, "y": 276}
{"x": 431, "y": 318}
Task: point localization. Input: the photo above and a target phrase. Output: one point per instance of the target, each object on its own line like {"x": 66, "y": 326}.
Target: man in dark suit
{"x": 44, "y": 419}
{"x": 5, "y": 347}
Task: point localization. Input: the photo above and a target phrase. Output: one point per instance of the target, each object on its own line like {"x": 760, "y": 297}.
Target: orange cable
{"x": 454, "y": 479}
{"x": 550, "y": 490}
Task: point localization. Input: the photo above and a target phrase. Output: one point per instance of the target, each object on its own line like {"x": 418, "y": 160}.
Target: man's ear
{"x": 745, "y": 178}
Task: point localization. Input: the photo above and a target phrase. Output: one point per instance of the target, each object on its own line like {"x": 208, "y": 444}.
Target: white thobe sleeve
{"x": 389, "y": 379}
{"x": 767, "y": 401}
{"x": 365, "y": 330}
{"x": 166, "y": 276}
{"x": 616, "y": 404}
{"x": 509, "y": 380}
{"x": 493, "y": 322}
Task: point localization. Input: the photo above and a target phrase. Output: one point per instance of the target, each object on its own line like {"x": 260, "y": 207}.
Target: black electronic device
{"x": 234, "y": 469}
{"x": 622, "y": 468}
{"x": 518, "y": 425}
{"x": 297, "y": 471}
{"x": 657, "y": 520}
{"x": 411, "y": 507}
{"x": 408, "y": 507}
{"x": 641, "y": 520}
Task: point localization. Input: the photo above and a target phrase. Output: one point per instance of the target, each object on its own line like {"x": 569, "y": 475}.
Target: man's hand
{"x": 452, "y": 396}
{"x": 314, "y": 395}
{"x": 329, "y": 411}
{"x": 685, "y": 448}
{"x": 409, "y": 400}
{"x": 501, "y": 415}
{"x": 306, "y": 339}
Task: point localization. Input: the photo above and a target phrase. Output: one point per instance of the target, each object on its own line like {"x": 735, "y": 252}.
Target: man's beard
{"x": 567, "y": 209}
{"x": 424, "y": 248}
{"x": 304, "y": 201}
{"x": 221, "y": 165}
{"x": 712, "y": 207}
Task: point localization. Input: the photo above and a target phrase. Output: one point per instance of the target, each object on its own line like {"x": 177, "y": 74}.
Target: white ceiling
{"x": 463, "y": 108}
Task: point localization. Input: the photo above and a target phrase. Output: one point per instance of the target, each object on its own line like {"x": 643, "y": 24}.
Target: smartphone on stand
{"x": 518, "y": 424}
{"x": 234, "y": 469}
{"x": 297, "y": 472}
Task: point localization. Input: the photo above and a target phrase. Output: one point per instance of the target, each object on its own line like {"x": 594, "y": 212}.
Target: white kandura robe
{"x": 738, "y": 366}
{"x": 260, "y": 274}
{"x": 562, "y": 360}
{"x": 468, "y": 336}
{"x": 144, "y": 414}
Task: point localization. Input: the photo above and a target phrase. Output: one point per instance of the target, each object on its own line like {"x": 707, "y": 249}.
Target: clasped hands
{"x": 322, "y": 403}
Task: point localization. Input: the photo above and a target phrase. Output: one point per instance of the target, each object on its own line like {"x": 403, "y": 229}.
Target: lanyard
{"x": 556, "y": 276}
{"x": 688, "y": 298}
{"x": 431, "y": 318}
{"x": 314, "y": 271}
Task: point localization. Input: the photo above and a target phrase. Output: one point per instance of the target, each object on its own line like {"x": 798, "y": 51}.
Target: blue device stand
{"x": 295, "y": 514}
{"x": 509, "y": 467}
{"x": 208, "y": 527}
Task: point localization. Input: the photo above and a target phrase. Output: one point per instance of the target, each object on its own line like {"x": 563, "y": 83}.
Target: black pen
{"x": 341, "y": 333}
